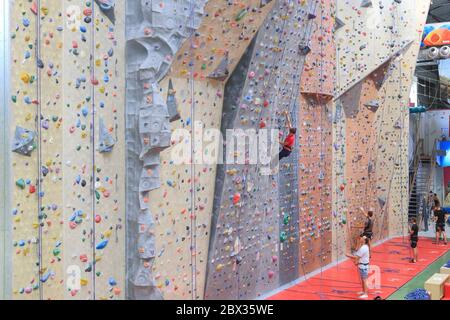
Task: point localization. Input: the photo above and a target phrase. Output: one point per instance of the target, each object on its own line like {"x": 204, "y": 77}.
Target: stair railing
{"x": 430, "y": 178}
{"x": 415, "y": 165}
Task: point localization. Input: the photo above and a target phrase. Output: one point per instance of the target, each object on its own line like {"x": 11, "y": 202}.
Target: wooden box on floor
{"x": 435, "y": 285}
{"x": 445, "y": 270}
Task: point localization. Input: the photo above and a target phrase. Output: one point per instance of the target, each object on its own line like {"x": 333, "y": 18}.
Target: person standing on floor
{"x": 439, "y": 218}
{"x": 362, "y": 260}
{"x": 414, "y": 239}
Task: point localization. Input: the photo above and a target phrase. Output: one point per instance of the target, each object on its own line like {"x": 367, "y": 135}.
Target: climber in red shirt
{"x": 288, "y": 144}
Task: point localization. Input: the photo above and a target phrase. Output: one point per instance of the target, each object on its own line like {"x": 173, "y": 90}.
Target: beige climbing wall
{"x": 51, "y": 100}
{"x": 82, "y": 190}
{"x": 182, "y": 221}
{"x": 109, "y": 97}
{"x": 23, "y": 203}
{"x": 180, "y": 218}
{"x": 220, "y": 32}
{"x": 388, "y": 36}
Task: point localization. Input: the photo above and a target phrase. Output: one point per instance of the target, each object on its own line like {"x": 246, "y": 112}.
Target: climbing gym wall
{"x": 5, "y": 218}
{"x": 376, "y": 54}
{"x": 67, "y": 103}
{"x": 107, "y": 96}
{"x": 315, "y": 144}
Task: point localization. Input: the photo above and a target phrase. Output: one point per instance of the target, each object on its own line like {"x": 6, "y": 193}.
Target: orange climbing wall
{"x": 315, "y": 143}
{"x": 367, "y": 54}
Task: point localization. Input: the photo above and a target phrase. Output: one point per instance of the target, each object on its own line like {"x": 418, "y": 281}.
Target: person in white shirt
{"x": 362, "y": 260}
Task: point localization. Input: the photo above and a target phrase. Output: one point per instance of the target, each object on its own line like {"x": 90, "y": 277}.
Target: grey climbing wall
{"x": 155, "y": 32}
{"x": 244, "y": 256}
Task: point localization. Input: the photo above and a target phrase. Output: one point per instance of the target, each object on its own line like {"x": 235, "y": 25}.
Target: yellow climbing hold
{"x": 25, "y": 77}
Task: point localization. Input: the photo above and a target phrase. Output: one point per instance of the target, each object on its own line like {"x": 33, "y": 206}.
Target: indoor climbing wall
{"x": 315, "y": 144}
{"x": 182, "y": 205}
{"x": 116, "y": 198}
{"x": 25, "y": 169}
{"x": 5, "y": 185}
{"x": 67, "y": 102}
{"x": 253, "y": 238}
{"x": 377, "y": 49}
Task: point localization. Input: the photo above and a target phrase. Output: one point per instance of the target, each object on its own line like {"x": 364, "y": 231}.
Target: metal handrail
{"x": 415, "y": 165}
{"x": 430, "y": 177}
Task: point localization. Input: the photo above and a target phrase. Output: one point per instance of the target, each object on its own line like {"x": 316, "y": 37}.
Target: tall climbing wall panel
{"x": 68, "y": 161}
{"x": 5, "y": 185}
{"x": 315, "y": 144}
{"x": 255, "y": 221}
{"x": 182, "y": 204}
{"x": 376, "y": 62}
{"x": 94, "y": 175}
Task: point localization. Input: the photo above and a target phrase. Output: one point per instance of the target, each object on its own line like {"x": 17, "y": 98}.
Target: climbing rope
{"x": 193, "y": 219}
{"x": 93, "y": 141}
{"x": 245, "y": 171}
{"x": 39, "y": 147}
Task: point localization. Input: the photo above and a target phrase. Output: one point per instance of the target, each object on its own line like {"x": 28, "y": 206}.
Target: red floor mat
{"x": 341, "y": 282}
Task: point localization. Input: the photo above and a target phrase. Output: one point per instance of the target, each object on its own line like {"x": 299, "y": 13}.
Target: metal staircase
{"x": 419, "y": 184}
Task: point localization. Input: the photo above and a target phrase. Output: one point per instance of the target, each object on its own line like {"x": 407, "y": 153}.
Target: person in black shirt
{"x": 439, "y": 218}
{"x": 368, "y": 227}
{"x": 414, "y": 238}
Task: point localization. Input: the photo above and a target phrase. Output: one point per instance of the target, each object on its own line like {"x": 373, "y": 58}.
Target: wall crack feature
{"x": 155, "y": 34}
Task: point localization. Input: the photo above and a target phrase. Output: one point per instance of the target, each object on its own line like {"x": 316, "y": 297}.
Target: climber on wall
{"x": 368, "y": 227}
{"x": 288, "y": 143}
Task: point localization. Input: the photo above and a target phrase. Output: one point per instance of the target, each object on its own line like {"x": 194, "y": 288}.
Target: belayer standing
{"x": 368, "y": 227}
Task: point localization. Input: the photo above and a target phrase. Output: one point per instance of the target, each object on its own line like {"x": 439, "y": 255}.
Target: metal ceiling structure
{"x": 439, "y": 11}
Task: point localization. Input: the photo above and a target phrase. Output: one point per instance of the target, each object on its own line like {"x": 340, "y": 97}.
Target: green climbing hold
{"x": 241, "y": 14}
{"x": 283, "y": 236}
{"x": 97, "y": 195}
{"x": 20, "y": 183}
{"x": 286, "y": 219}
{"x": 56, "y": 252}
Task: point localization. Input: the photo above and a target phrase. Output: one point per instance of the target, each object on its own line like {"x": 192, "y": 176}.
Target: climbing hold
{"x": 101, "y": 245}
